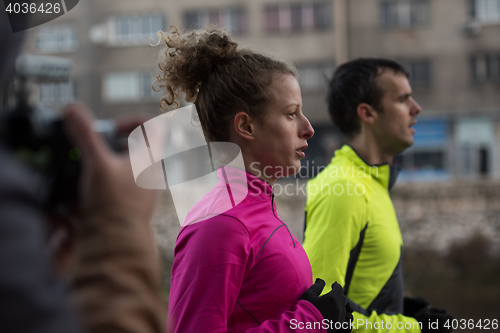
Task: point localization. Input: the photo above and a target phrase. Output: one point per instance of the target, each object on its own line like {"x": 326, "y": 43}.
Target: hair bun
{"x": 190, "y": 58}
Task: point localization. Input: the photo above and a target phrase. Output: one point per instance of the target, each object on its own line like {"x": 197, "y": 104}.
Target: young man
{"x": 352, "y": 235}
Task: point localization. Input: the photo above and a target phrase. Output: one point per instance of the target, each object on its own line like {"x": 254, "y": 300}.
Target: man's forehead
{"x": 393, "y": 82}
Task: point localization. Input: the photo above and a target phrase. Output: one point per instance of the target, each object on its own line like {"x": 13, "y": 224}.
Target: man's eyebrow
{"x": 404, "y": 96}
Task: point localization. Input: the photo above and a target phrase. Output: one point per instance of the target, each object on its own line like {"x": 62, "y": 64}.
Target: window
{"x": 272, "y": 19}
{"x": 487, "y": 11}
{"x": 485, "y": 67}
{"x": 322, "y": 146}
{"x": 129, "y": 86}
{"x": 137, "y": 29}
{"x": 233, "y": 19}
{"x": 427, "y": 165}
{"x": 314, "y": 77}
{"x": 421, "y": 160}
{"x": 321, "y": 15}
{"x": 56, "y": 94}
{"x": 404, "y": 13}
{"x": 475, "y": 140}
{"x": 420, "y": 72}
{"x": 427, "y": 159}
{"x": 56, "y": 38}
{"x": 297, "y": 17}
{"x": 474, "y": 161}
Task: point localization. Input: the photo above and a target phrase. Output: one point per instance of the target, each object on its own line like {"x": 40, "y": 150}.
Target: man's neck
{"x": 369, "y": 150}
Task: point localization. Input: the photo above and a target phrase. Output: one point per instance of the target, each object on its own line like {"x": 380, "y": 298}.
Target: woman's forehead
{"x": 286, "y": 91}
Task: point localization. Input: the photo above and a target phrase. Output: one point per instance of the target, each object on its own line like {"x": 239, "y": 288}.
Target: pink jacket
{"x": 242, "y": 270}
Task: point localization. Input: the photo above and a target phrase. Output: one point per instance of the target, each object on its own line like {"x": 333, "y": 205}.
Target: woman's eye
{"x": 292, "y": 114}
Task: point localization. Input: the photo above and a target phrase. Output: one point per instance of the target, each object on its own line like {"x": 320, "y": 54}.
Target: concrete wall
{"x": 431, "y": 216}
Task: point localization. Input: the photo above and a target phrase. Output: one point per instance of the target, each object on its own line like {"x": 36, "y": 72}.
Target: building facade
{"x": 450, "y": 47}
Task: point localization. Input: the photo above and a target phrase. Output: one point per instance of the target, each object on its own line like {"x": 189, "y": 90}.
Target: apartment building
{"x": 452, "y": 50}
{"x": 450, "y": 47}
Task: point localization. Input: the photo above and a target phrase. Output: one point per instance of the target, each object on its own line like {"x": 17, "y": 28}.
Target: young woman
{"x": 242, "y": 270}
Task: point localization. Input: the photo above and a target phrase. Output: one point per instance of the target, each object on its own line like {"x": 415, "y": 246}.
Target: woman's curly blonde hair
{"x": 217, "y": 76}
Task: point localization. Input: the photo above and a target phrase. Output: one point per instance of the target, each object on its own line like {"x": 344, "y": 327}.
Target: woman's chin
{"x": 292, "y": 169}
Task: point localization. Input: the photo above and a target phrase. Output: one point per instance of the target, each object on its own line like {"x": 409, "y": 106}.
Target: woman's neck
{"x": 256, "y": 169}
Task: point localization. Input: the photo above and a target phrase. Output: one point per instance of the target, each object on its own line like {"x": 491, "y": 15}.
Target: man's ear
{"x": 244, "y": 126}
{"x": 366, "y": 113}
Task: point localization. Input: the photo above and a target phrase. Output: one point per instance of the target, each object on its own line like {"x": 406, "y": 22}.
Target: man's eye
{"x": 292, "y": 114}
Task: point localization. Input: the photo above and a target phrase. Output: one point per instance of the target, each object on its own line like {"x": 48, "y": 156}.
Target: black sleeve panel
{"x": 353, "y": 258}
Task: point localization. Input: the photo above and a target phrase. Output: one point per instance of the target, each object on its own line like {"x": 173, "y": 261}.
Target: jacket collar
{"x": 240, "y": 182}
{"x": 234, "y": 186}
{"x": 384, "y": 173}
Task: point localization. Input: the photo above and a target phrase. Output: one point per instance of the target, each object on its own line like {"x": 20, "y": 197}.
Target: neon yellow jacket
{"x": 352, "y": 236}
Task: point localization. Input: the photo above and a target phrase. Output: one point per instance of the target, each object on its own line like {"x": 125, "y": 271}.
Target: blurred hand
{"x": 433, "y": 315}
{"x": 333, "y": 306}
{"x": 414, "y": 304}
{"x": 107, "y": 185}
{"x": 115, "y": 275}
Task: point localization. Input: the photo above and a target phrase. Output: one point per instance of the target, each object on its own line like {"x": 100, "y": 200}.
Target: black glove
{"x": 429, "y": 316}
{"x": 333, "y": 306}
{"x": 414, "y": 304}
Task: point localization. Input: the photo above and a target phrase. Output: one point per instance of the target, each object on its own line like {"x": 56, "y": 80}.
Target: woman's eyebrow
{"x": 291, "y": 104}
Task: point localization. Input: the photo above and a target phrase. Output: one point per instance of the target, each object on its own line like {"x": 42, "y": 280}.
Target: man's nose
{"x": 416, "y": 108}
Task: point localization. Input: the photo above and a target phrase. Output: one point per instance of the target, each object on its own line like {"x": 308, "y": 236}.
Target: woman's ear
{"x": 244, "y": 126}
{"x": 366, "y": 113}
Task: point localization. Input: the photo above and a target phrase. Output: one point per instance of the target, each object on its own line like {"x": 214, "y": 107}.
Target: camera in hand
{"x": 36, "y": 134}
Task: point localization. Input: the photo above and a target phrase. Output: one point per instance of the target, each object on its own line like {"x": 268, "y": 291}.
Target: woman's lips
{"x": 300, "y": 152}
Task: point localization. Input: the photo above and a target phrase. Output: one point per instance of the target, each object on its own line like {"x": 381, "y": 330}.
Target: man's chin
{"x": 404, "y": 145}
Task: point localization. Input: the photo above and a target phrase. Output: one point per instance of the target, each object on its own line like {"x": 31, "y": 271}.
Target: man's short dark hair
{"x": 355, "y": 82}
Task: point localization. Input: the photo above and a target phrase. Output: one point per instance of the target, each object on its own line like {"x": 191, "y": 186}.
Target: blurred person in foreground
{"x": 352, "y": 234}
{"x": 237, "y": 267}
{"x": 115, "y": 274}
